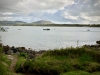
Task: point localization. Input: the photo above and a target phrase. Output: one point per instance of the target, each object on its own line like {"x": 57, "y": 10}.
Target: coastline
{"x": 83, "y": 59}
{"x": 17, "y": 50}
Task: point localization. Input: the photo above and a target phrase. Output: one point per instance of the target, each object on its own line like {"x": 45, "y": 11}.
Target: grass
{"x": 60, "y": 61}
{"x": 4, "y": 64}
{"x": 19, "y": 63}
{"x": 68, "y": 61}
{"x": 80, "y": 73}
{"x": 76, "y": 73}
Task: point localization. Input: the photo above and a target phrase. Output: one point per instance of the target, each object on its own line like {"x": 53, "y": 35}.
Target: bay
{"x": 57, "y": 37}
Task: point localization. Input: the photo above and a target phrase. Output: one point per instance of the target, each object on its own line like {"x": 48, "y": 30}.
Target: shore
{"x": 69, "y": 61}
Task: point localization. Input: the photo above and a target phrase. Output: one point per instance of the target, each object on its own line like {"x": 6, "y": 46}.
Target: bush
{"x": 22, "y": 54}
{"x": 59, "y": 61}
{"x": 19, "y": 64}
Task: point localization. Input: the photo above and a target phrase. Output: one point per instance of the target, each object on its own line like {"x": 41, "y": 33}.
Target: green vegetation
{"x": 80, "y": 73}
{"x": 76, "y": 73}
{"x": 69, "y": 61}
{"x": 5, "y": 64}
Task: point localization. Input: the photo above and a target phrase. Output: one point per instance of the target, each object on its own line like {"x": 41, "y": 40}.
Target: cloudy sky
{"x": 57, "y": 11}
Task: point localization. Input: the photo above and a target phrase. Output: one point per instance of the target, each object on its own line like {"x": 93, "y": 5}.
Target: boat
{"x": 46, "y": 29}
{"x": 6, "y": 28}
{"x": 88, "y": 30}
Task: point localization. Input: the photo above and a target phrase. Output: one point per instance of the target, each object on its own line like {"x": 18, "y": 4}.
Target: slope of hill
{"x": 11, "y": 22}
{"x": 43, "y": 22}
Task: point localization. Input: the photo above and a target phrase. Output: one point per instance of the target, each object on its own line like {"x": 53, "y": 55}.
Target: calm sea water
{"x": 57, "y": 37}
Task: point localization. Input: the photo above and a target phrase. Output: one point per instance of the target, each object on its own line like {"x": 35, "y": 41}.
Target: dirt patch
{"x": 14, "y": 60}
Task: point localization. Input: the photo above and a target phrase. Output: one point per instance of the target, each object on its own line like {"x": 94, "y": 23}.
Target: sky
{"x": 57, "y": 11}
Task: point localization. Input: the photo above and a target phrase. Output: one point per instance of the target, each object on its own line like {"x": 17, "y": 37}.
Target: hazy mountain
{"x": 11, "y": 22}
{"x": 43, "y": 22}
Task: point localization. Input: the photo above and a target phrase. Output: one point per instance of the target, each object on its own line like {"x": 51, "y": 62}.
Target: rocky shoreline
{"x": 32, "y": 53}
{"x": 17, "y": 50}
{"x": 52, "y": 59}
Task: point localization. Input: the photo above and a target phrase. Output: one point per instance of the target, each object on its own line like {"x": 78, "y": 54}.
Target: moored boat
{"x": 88, "y": 30}
{"x": 46, "y": 29}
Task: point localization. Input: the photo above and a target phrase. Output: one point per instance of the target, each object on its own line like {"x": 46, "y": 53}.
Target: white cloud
{"x": 89, "y": 18}
{"x": 8, "y": 13}
{"x": 85, "y": 1}
{"x": 85, "y": 22}
{"x": 50, "y": 11}
{"x": 67, "y": 15}
{"x": 97, "y": 3}
{"x": 5, "y": 18}
{"x": 44, "y": 5}
{"x": 63, "y": 11}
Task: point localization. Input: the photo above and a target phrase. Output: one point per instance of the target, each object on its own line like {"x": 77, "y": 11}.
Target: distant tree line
{"x": 68, "y": 25}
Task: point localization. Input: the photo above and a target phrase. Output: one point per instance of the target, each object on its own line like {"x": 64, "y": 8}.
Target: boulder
{"x": 98, "y": 42}
{"x": 6, "y": 48}
{"x": 9, "y": 52}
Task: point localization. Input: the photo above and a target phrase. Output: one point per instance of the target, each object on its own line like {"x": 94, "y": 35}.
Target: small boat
{"x": 88, "y": 30}
{"x": 46, "y": 29}
{"x": 6, "y": 28}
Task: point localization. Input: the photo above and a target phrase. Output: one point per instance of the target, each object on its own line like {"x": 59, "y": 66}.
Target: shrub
{"x": 22, "y": 54}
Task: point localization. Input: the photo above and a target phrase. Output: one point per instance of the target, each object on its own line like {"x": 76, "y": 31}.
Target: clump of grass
{"x": 95, "y": 73}
{"x": 76, "y": 73}
{"x": 3, "y": 69}
{"x": 23, "y": 54}
{"x": 80, "y": 73}
{"x": 19, "y": 63}
{"x": 59, "y": 61}
{"x": 70, "y": 52}
{"x": 4, "y": 63}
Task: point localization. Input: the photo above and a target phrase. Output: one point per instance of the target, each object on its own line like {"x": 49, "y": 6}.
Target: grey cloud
{"x": 6, "y": 5}
{"x": 26, "y": 7}
{"x": 63, "y": 11}
{"x": 83, "y": 12}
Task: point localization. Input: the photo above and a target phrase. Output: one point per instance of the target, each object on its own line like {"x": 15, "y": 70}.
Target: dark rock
{"x": 1, "y": 45}
{"x": 98, "y": 42}
{"x": 17, "y": 53}
{"x": 9, "y": 52}
{"x": 13, "y": 49}
{"x": 5, "y": 49}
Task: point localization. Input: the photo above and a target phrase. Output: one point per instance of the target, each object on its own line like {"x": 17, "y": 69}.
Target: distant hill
{"x": 11, "y": 22}
{"x": 43, "y": 22}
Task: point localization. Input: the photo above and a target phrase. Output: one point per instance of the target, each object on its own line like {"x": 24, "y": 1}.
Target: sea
{"x": 36, "y": 38}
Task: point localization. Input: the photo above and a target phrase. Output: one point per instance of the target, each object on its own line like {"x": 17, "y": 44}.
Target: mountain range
{"x": 11, "y": 22}
{"x": 22, "y": 23}
{"x": 42, "y": 22}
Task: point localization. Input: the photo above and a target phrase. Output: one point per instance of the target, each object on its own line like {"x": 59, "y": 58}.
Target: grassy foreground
{"x": 69, "y": 61}
{"x": 5, "y": 64}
